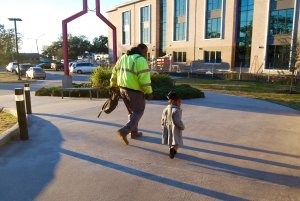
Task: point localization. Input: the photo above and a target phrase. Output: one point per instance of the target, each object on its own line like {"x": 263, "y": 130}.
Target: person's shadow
{"x": 27, "y": 167}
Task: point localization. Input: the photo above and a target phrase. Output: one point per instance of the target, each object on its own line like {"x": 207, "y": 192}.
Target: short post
{"x": 27, "y": 98}
{"x": 19, "y": 97}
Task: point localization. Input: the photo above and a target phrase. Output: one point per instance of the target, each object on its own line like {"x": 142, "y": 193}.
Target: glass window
{"x": 163, "y": 27}
{"x": 145, "y": 24}
{"x": 281, "y": 22}
{"x": 180, "y": 20}
{"x": 179, "y": 56}
{"x": 277, "y": 57}
{"x": 214, "y": 4}
{"x": 213, "y": 28}
{"x": 244, "y": 36}
{"x": 126, "y": 27}
{"x": 212, "y": 57}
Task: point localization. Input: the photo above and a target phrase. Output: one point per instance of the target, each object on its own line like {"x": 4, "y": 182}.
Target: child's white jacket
{"x": 172, "y": 126}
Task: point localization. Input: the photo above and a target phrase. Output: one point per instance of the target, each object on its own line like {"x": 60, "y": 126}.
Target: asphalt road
{"x": 54, "y": 78}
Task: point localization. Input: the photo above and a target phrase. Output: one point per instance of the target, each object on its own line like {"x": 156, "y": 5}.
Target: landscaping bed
{"x": 161, "y": 84}
{"x": 273, "y": 92}
{"x": 7, "y": 121}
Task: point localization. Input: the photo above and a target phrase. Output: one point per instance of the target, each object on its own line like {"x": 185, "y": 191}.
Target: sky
{"x": 42, "y": 20}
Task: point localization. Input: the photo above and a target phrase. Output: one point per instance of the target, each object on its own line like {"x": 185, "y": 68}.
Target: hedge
{"x": 162, "y": 84}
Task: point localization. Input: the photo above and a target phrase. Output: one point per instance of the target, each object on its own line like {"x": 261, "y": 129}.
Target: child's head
{"x": 174, "y": 99}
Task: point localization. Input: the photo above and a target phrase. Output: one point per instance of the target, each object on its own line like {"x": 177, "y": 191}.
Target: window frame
{"x": 150, "y": 24}
{"x": 129, "y": 42}
{"x": 186, "y": 22}
{"x": 221, "y": 21}
{"x": 210, "y": 54}
{"x": 179, "y": 54}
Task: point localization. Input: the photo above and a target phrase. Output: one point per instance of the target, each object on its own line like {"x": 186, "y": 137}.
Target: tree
{"x": 77, "y": 46}
{"x": 54, "y": 50}
{"x": 100, "y": 44}
{"x": 8, "y": 45}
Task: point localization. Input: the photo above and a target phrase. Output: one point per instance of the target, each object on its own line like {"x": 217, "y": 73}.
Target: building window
{"x": 213, "y": 28}
{"x": 214, "y": 4}
{"x": 213, "y": 19}
{"x": 244, "y": 33}
{"x": 281, "y": 21}
{"x": 278, "y": 57}
{"x": 180, "y": 20}
{"x": 163, "y": 28}
{"x": 145, "y": 24}
{"x": 126, "y": 28}
{"x": 212, "y": 57}
{"x": 179, "y": 56}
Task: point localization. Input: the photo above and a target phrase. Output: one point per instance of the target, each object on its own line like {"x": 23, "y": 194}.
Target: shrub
{"x": 100, "y": 77}
{"x": 43, "y": 92}
{"x": 184, "y": 91}
{"x": 162, "y": 84}
{"x": 161, "y": 80}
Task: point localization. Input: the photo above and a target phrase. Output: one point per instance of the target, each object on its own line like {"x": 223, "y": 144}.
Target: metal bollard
{"x": 27, "y": 98}
{"x": 19, "y": 97}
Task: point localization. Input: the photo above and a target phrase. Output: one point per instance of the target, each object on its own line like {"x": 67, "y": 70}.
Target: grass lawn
{"x": 275, "y": 93}
{"x": 8, "y": 77}
{"x": 6, "y": 121}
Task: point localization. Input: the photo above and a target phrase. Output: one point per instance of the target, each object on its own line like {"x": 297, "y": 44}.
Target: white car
{"x": 82, "y": 67}
{"x": 12, "y": 66}
{"x": 35, "y": 72}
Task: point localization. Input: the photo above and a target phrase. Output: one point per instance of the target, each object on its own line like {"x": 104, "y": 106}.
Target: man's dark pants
{"x": 135, "y": 104}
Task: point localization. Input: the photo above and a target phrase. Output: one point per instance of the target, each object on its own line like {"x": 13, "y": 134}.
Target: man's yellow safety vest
{"x": 131, "y": 71}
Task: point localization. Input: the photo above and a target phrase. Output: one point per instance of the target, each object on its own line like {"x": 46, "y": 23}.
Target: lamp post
{"x": 15, "y": 22}
{"x": 36, "y": 42}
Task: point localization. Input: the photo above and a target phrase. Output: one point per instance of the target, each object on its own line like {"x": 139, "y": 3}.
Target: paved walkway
{"x": 235, "y": 149}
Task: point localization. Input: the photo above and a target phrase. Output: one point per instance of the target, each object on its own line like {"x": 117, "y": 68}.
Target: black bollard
{"x": 27, "y": 98}
{"x": 19, "y": 96}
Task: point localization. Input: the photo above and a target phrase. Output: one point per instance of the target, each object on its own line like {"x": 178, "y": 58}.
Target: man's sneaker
{"x": 135, "y": 135}
{"x": 172, "y": 153}
{"x": 123, "y": 137}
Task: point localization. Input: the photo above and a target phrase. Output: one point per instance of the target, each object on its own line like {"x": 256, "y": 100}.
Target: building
{"x": 252, "y": 35}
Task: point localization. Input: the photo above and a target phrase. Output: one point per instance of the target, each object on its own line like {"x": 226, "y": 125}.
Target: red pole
{"x": 65, "y": 35}
{"x": 111, "y": 26}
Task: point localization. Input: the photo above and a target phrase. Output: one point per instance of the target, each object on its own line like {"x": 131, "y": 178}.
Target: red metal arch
{"x": 77, "y": 15}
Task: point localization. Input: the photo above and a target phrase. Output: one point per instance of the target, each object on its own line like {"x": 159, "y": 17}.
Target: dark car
{"x": 44, "y": 65}
{"x": 23, "y": 68}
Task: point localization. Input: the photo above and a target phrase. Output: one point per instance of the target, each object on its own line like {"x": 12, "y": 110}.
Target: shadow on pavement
{"x": 152, "y": 177}
{"x": 27, "y": 167}
{"x": 287, "y": 180}
{"x": 245, "y": 172}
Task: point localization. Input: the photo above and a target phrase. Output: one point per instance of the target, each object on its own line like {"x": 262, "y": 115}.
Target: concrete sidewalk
{"x": 234, "y": 149}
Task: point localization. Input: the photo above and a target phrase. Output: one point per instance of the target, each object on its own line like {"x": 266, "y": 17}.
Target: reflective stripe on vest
{"x": 131, "y": 70}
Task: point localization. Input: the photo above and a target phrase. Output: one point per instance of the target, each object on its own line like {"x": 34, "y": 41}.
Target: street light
{"x": 36, "y": 42}
{"x": 15, "y": 22}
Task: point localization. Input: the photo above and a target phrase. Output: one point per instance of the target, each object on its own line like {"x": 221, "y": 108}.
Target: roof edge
{"x": 123, "y": 5}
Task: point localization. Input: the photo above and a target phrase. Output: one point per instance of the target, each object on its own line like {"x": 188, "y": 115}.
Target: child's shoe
{"x": 172, "y": 153}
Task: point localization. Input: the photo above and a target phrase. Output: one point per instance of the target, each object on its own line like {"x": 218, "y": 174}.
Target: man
{"x": 132, "y": 75}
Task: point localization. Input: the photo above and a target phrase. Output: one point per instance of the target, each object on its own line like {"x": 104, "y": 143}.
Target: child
{"x": 171, "y": 124}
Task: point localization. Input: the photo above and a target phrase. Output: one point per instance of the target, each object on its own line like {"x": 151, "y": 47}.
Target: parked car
{"x": 35, "y": 72}
{"x": 23, "y": 68}
{"x": 57, "y": 65}
{"x": 82, "y": 67}
{"x": 11, "y": 67}
{"x": 44, "y": 65}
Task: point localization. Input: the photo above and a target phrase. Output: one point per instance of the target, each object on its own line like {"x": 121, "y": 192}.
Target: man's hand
{"x": 149, "y": 96}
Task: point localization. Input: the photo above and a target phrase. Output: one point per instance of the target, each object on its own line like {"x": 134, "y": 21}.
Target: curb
{"x": 12, "y": 132}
